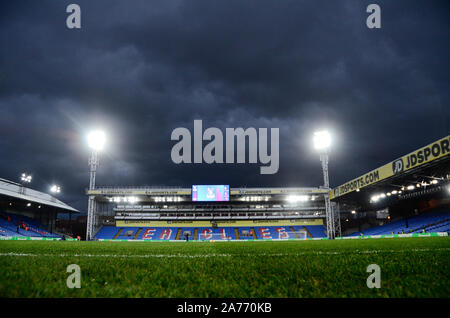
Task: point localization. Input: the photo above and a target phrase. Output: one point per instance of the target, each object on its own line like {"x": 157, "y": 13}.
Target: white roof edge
{"x": 15, "y": 190}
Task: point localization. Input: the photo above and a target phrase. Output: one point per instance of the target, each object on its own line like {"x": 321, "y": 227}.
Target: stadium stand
{"x": 22, "y": 226}
{"x": 209, "y": 233}
{"x": 430, "y": 222}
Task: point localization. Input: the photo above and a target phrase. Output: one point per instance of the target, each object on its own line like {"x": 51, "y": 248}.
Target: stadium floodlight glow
{"x": 410, "y": 187}
{"x": 394, "y": 192}
{"x": 132, "y": 199}
{"x": 26, "y": 178}
{"x": 322, "y": 140}
{"x": 303, "y": 198}
{"x": 297, "y": 198}
{"x": 353, "y": 212}
{"x": 96, "y": 140}
{"x": 434, "y": 181}
{"x": 388, "y": 194}
{"x": 55, "y": 189}
{"x": 377, "y": 197}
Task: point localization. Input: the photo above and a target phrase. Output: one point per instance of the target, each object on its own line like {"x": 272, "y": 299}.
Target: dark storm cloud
{"x": 140, "y": 69}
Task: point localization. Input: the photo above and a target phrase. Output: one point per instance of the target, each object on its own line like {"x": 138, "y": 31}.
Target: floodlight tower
{"x": 96, "y": 141}
{"x": 322, "y": 143}
{"x": 24, "y": 178}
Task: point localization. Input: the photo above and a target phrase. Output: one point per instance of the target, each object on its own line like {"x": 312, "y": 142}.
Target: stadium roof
{"x": 17, "y": 191}
{"x": 102, "y": 193}
{"x": 104, "y": 190}
{"x": 424, "y": 169}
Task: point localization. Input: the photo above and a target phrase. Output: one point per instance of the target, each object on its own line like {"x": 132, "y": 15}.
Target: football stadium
{"x": 209, "y": 157}
{"x": 220, "y": 241}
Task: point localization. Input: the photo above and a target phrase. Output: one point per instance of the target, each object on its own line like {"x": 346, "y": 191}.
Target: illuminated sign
{"x": 208, "y": 193}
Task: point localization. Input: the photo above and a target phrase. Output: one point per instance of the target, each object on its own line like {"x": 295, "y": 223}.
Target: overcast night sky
{"x": 140, "y": 69}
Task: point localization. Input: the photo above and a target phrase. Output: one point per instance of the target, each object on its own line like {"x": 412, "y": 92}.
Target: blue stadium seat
{"x": 10, "y": 227}
{"x": 208, "y": 233}
{"x": 431, "y": 222}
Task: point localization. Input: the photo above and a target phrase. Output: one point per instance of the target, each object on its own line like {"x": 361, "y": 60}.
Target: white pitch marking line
{"x": 223, "y": 255}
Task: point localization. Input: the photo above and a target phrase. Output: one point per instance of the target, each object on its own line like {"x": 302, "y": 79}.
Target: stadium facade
{"x": 250, "y": 213}
{"x": 398, "y": 189}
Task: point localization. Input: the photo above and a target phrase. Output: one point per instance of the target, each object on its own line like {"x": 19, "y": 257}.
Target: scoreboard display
{"x": 210, "y": 193}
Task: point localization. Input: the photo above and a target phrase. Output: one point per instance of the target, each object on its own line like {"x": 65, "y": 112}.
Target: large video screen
{"x": 215, "y": 193}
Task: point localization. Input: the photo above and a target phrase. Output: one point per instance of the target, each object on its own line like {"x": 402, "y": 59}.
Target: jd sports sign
{"x": 424, "y": 155}
{"x": 397, "y": 166}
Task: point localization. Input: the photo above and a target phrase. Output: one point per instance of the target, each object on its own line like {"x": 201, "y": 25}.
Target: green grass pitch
{"x": 410, "y": 267}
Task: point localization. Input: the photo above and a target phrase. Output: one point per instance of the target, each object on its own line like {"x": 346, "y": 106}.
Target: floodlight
{"x": 96, "y": 140}
{"x": 434, "y": 181}
{"x": 133, "y": 199}
{"x": 411, "y": 187}
{"x": 55, "y": 189}
{"x": 296, "y": 198}
{"x": 26, "y": 178}
{"x": 322, "y": 140}
{"x": 353, "y": 212}
{"x": 303, "y": 198}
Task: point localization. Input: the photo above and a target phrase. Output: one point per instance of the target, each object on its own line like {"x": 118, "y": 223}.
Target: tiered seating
{"x": 209, "y": 233}
{"x": 9, "y": 222}
{"x": 107, "y": 232}
{"x": 317, "y": 230}
{"x": 431, "y": 222}
{"x": 224, "y": 233}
